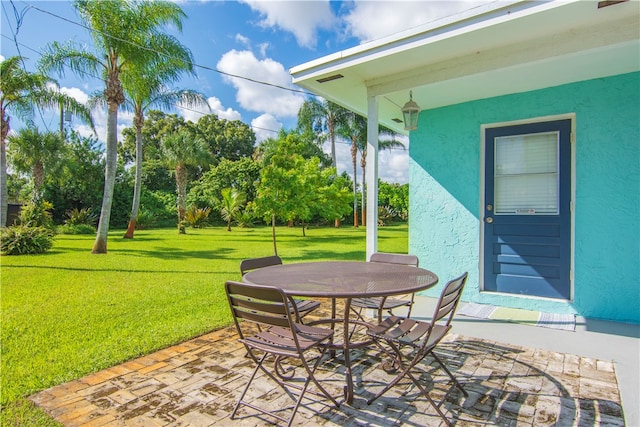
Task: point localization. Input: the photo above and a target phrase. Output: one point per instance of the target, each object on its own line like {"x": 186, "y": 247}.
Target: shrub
{"x": 76, "y": 229}
{"x": 196, "y": 217}
{"x": 22, "y": 240}
{"x": 82, "y": 216}
{"x": 245, "y": 219}
{"x": 145, "y": 220}
{"x": 386, "y": 215}
{"x": 37, "y": 213}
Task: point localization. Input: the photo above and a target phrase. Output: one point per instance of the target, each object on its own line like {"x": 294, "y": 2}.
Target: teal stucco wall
{"x": 445, "y": 168}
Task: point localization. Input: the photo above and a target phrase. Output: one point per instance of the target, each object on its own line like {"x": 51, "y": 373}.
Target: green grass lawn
{"x": 67, "y": 313}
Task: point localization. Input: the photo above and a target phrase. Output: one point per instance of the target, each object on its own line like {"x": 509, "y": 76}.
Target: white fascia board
{"x": 455, "y": 26}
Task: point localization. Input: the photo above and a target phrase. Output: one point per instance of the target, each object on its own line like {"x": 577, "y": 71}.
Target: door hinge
{"x": 572, "y": 137}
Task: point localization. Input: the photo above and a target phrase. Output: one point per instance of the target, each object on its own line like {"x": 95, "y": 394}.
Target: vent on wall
{"x": 329, "y": 78}
{"x": 602, "y": 4}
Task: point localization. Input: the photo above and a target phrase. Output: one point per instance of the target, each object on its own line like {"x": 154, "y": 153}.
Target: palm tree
{"x": 323, "y": 116}
{"x": 181, "y": 150}
{"x": 125, "y": 34}
{"x": 389, "y": 142}
{"x": 232, "y": 202}
{"x": 20, "y": 92}
{"x": 147, "y": 88}
{"x": 354, "y": 130}
{"x": 32, "y": 152}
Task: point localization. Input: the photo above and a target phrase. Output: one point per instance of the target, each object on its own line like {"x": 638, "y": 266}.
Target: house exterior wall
{"x": 445, "y": 189}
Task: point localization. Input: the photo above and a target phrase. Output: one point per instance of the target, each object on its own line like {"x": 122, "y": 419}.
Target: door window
{"x": 526, "y": 174}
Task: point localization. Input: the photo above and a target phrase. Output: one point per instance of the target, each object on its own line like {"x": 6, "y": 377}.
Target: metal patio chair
{"x": 422, "y": 338}
{"x": 280, "y": 338}
{"x": 380, "y": 304}
{"x": 303, "y": 306}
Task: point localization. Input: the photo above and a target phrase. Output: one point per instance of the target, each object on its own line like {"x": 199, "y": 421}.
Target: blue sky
{"x": 260, "y": 40}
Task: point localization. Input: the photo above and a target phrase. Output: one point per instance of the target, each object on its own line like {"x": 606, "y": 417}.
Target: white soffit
{"x": 507, "y": 48}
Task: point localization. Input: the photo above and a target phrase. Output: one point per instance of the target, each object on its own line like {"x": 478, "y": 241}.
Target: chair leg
{"x": 302, "y": 389}
{"x": 244, "y": 392}
{"x": 406, "y": 371}
{"x": 424, "y": 392}
{"x": 444, "y": 367}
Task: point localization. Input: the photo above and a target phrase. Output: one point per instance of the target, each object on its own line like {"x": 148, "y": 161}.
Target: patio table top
{"x": 343, "y": 279}
{"x": 197, "y": 383}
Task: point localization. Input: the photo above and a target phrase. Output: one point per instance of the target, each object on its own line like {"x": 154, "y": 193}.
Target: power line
{"x": 20, "y": 16}
{"x": 204, "y": 67}
{"x": 96, "y": 77}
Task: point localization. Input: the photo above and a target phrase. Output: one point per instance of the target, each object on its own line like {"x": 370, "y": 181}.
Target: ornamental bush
{"x": 23, "y": 240}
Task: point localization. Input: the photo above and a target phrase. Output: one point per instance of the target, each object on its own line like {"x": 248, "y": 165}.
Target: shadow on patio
{"x": 197, "y": 383}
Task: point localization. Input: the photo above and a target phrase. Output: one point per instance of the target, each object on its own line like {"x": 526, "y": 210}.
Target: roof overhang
{"x": 497, "y": 49}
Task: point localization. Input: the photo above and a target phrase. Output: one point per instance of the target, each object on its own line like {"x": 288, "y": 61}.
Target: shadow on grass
{"x": 43, "y": 267}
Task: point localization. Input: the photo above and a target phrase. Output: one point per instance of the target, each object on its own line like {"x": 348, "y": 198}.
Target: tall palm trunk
{"x": 4, "y": 193}
{"x": 38, "y": 180}
{"x": 100, "y": 244}
{"x": 273, "y": 234}
{"x": 332, "y": 136}
{"x": 363, "y": 165}
{"x": 354, "y": 152}
{"x": 137, "y": 187}
{"x": 181, "y": 183}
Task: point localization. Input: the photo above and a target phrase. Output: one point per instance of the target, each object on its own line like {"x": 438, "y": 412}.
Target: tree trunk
{"x": 4, "y": 192}
{"x": 332, "y": 137}
{"x": 273, "y": 234}
{"x": 181, "y": 183}
{"x": 336, "y": 223}
{"x": 354, "y": 152}
{"x": 137, "y": 186}
{"x": 100, "y": 244}
{"x": 363, "y": 164}
{"x": 38, "y": 180}
{"x": 130, "y": 228}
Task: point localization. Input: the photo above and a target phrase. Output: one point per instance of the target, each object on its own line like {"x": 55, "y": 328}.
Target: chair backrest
{"x": 388, "y": 258}
{"x": 264, "y": 305}
{"x": 449, "y": 299}
{"x": 255, "y": 263}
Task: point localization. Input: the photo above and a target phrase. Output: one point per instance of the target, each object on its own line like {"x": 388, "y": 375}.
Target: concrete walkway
{"x": 595, "y": 339}
{"x": 196, "y": 383}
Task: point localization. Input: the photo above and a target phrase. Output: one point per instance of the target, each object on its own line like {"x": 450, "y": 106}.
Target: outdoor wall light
{"x": 410, "y": 113}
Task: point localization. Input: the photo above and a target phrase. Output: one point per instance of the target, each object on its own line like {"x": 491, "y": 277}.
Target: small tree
{"x": 35, "y": 153}
{"x": 292, "y": 187}
{"x": 181, "y": 150}
{"x": 232, "y": 201}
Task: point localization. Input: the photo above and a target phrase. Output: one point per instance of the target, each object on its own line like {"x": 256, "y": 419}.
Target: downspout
{"x": 372, "y": 174}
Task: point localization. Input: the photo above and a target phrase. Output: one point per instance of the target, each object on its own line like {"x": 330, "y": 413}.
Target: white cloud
{"x": 265, "y": 126}
{"x": 193, "y": 114}
{"x": 243, "y": 40}
{"x": 302, "y": 18}
{"x": 77, "y": 94}
{"x": 370, "y": 20}
{"x": 258, "y": 97}
{"x": 393, "y": 165}
{"x": 99, "y": 114}
{"x": 1, "y": 58}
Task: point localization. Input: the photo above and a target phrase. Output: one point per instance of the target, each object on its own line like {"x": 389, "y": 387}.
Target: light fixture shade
{"x": 410, "y": 113}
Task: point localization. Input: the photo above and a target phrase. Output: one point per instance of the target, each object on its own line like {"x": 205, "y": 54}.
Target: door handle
{"x": 488, "y": 220}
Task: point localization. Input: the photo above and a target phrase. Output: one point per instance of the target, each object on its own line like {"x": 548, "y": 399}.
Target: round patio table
{"x": 347, "y": 280}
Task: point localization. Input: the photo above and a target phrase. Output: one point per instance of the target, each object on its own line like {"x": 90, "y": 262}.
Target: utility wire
{"x": 204, "y": 67}
{"x": 29, "y": 6}
{"x": 97, "y": 77}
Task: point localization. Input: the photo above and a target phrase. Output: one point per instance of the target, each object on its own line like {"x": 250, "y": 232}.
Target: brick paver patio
{"x": 197, "y": 383}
